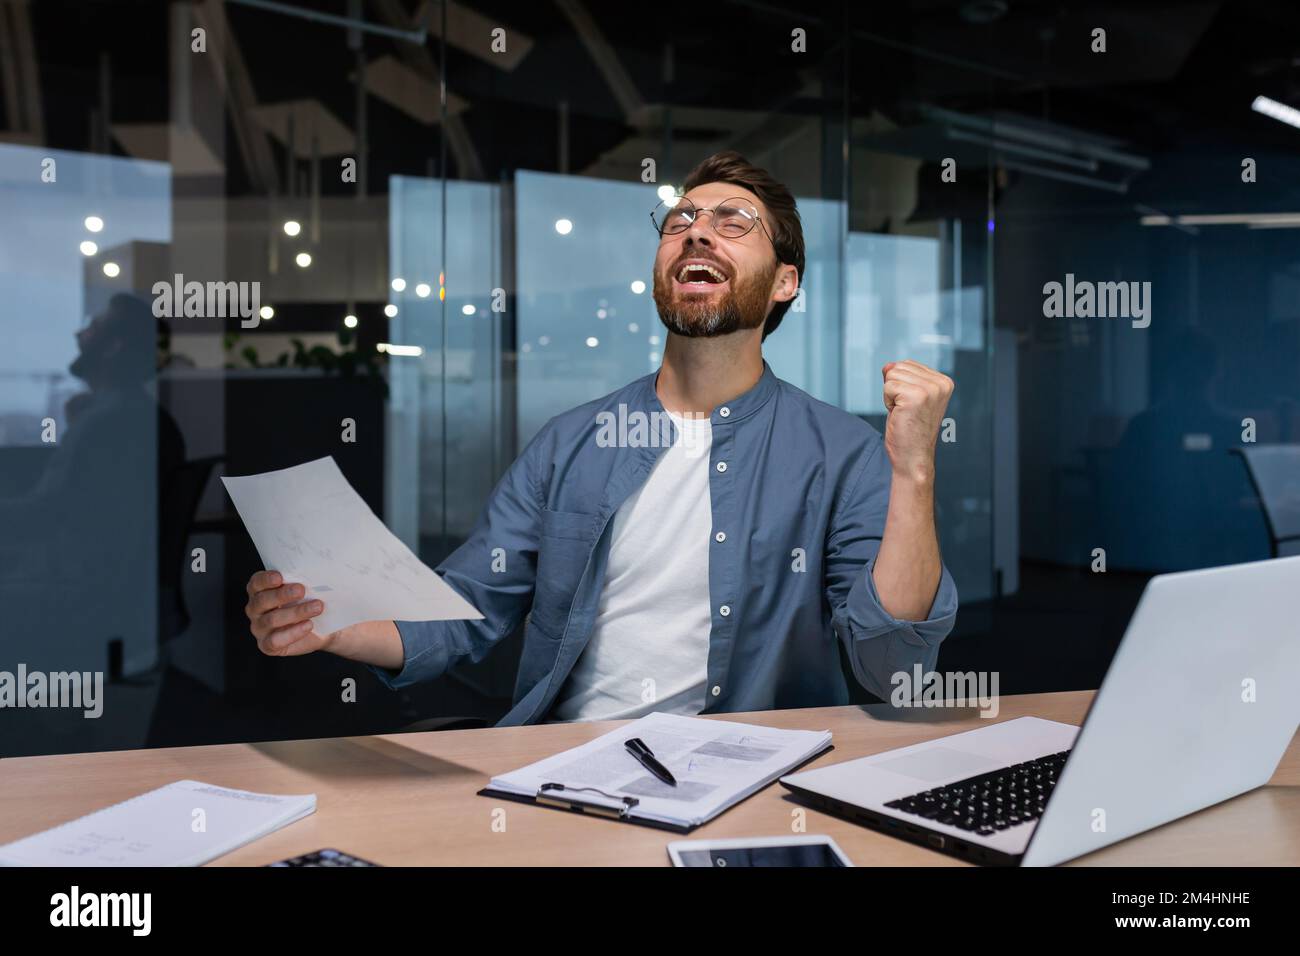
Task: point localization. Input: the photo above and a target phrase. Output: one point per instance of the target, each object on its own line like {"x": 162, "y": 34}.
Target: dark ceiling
{"x": 1176, "y": 75}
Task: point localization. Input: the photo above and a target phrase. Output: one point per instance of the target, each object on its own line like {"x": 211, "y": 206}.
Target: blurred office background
{"x": 488, "y": 266}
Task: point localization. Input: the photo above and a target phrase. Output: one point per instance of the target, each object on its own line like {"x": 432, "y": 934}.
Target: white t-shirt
{"x": 649, "y": 646}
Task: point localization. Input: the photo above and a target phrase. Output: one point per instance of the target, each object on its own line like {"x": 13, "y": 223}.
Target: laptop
{"x": 1198, "y": 705}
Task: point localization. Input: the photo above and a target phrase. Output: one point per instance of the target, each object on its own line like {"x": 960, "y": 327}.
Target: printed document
{"x": 309, "y": 524}
{"x": 717, "y": 763}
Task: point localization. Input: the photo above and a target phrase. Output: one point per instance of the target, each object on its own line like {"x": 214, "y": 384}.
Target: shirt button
{"x": 724, "y": 412}
{"x": 716, "y": 690}
{"x": 722, "y": 466}
{"x": 725, "y": 610}
{"x": 720, "y": 537}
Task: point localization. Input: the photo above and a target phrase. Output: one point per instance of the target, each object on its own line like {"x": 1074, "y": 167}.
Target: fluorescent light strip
{"x": 1067, "y": 141}
{"x": 413, "y": 351}
{"x": 1256, "y": 220}
{"x": 1048, "y": 173}
{"x": 1241, "y": 219}
{"x": 1278, "y": 111}
{"x": 1001, "y": 145}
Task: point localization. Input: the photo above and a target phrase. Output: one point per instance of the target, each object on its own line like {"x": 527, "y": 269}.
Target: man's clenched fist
{"x": 915, "y": 398}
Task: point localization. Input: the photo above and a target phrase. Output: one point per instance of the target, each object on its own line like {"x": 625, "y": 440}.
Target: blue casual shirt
{"x": 799, "y": 491}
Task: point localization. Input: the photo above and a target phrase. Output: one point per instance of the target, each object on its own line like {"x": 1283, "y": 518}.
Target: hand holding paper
{"x": 309, "y": 524}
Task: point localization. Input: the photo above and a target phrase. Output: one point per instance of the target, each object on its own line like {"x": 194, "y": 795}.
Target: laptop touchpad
{"x": 937, "y": 763}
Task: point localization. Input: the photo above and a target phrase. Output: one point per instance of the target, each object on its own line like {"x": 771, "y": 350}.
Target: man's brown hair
{"x": 782, "y": 222}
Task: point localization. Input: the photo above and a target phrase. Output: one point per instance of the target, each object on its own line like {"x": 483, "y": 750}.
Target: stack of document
{"x": 182, "y": 824}
{"x": 716, "y": 763}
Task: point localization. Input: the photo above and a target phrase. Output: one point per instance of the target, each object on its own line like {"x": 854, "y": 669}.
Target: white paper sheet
{"x": 157, "y": 828}
{"x": 309, "y": 524}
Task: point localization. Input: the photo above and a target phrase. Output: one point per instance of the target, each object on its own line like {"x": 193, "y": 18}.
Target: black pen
{"x": 637, "y": 748}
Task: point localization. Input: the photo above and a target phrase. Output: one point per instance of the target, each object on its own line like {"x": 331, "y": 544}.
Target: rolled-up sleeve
{"x": 426, "y": 654}
{"x": 495, "y": 570}
{"x": 879, "y": 645}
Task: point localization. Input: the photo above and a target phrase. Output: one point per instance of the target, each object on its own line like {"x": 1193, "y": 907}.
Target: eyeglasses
{"x": 732, "y": 218}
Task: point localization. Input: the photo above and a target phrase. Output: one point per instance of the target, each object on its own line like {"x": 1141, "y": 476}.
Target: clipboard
{"x": 598, "y": 803}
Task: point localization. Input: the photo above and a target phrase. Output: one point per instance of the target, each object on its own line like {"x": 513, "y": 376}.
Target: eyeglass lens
{"x": 732, "y": 218}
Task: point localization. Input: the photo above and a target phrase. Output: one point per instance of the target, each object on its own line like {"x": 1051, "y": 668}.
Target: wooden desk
{"x": 409, "y": 799}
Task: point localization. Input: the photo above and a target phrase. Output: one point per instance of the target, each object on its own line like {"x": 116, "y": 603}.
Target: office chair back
{"x": 1275, "y": 472}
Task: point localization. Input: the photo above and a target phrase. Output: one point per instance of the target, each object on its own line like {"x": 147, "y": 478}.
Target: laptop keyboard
{"x": 989, "y": 802}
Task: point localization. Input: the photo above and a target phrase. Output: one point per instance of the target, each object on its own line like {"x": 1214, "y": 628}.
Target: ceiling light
{"x": 414, "y": 351}
{"x": 1278, "y": 111}
{"x": 1255, "y": 220}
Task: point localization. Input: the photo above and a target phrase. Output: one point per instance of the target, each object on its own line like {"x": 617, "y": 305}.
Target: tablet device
{"x": 807, "y": 850}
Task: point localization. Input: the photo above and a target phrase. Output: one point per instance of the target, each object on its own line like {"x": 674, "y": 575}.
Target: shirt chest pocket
{"x": 562, "y": 556}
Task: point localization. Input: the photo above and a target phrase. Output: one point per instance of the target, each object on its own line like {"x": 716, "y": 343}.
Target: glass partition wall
{"x": 444, "y": 213}
{"x": 898, "y": 261}
{"x": 899, "y": 250}
{"x": 468, "y": 217}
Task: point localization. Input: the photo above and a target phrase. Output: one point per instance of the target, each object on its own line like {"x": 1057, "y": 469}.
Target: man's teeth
{"x": 681, "y": 276}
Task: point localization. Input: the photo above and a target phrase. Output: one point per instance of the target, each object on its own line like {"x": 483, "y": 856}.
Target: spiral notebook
{"x": 185, "y": 823}
{"x": 717, "y": 763}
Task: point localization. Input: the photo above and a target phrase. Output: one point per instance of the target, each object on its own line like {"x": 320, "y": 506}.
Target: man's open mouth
{"x": 700, "y": 275}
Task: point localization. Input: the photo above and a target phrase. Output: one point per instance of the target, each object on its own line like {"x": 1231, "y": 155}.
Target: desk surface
{"x": 410, "y": 799}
